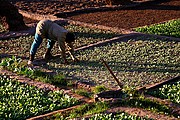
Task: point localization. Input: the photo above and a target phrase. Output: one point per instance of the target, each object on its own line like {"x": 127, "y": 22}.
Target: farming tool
{"x": 116, "y": 95}
{"x": 109, "y": 69}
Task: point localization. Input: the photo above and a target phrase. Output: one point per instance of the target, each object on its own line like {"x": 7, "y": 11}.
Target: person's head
{"x": 70, "y": 37}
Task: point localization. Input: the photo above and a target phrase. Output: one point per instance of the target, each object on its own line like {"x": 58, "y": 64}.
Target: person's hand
{"x": 30, "y": 63}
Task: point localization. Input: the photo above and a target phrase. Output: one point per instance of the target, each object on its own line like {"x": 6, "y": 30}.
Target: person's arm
{"x": 63, "y": 52}
{"x": 62, "y": 47}
{"x": 71, "y": 52}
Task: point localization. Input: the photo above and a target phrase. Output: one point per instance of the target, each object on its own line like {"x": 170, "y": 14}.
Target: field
{"x": 144, "y": 57}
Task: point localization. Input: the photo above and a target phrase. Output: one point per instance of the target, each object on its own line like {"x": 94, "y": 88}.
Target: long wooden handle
{"x": 120, "y": 84}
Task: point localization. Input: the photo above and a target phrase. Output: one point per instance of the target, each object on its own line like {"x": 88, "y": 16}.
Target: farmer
{"x": 52, "y": 32}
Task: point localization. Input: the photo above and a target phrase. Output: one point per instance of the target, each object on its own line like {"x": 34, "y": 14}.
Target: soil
{"x": 145, "y": 14}
{"x": 141, "y": 112}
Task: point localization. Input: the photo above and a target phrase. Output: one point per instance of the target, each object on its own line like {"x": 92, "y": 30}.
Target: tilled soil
{"x": 55, "y": 6}
{"x": 133, "y": 17}
{"x": 145, "y": 14}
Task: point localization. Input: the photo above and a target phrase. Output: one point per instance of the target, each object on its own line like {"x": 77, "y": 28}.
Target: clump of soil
{"x": 10, "y": 18}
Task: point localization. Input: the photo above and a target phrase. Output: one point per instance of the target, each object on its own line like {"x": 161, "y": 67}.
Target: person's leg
{"x": 50, "y": 45}
{"x": 35, "y": 45}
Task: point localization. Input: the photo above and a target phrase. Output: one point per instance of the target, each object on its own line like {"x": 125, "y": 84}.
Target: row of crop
{"x": 132, "y": 102}
{"x": 135, "y": 63}
{"x": 138, "y": 103}
{"x": 119, "y": 116}
{"x": 168, "y": 91}
{"x": 13, "y": 64}
{"x": 19, "y": 66}
{"x": 170, "y": 28}
{"x": 111, "y": 116}
{"x": 12, "y": 90}
{"x": 21, "y": 101}
{"x": 84, "y": 36}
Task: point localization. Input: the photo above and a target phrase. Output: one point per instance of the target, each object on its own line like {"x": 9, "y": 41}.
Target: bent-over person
{"x": 52, "y": 32}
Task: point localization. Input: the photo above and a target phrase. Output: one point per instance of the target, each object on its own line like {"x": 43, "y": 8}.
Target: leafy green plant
{"x": 17, "y": 65}
{"x": 169, "y": 91}
{"x": 83, "y": 92}
{"x": 99, "y": 88}
{"x": 21, "y": 101}
{"x": 58, "y": 79}
{"x": 132, "y": 92}
{"x": 97, "y": 108}
{"x": 84, "y": 36}
{"x": 170, "y": 28}
{"x": 135, "y": 63}
{"x": 117, "y": 116}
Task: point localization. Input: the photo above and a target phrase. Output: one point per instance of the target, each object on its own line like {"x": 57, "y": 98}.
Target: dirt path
{"x": 142, "y": 113}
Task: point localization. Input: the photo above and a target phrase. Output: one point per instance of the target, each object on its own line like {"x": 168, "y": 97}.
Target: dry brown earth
{"x": 127, "y": 18}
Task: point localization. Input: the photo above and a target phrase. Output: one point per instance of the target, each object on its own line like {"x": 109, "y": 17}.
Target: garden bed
{"x": 138, "y": 66}
{"x": 138, "y": 60}
{"x": 138, "y": 42}
{"x": 154, "y": 69}
{"x": 21, "y": 101}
